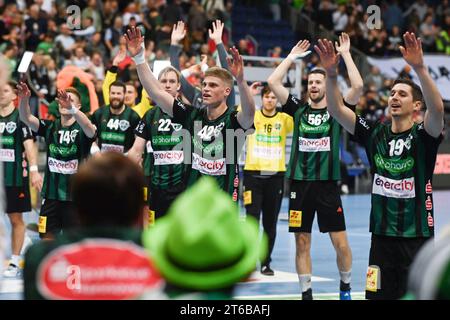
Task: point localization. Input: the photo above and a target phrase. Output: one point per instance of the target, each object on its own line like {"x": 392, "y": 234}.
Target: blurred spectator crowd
{"x": 59, "y": 37}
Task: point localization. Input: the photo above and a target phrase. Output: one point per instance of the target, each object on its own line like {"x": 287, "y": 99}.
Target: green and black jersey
{"x": 402, "y": 166}
{"x": 158, "y": 129}
{"x": 66, "y": 148}
{"x": 13, "y": 133}
{"x": 115, "y": 132}
{"x": 214, "y": 153}
{"x": 315, "y": 143}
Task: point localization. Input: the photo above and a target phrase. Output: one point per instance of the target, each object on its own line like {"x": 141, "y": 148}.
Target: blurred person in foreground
{"x": 201, "y": 247}
{"x": 108, "y": 199}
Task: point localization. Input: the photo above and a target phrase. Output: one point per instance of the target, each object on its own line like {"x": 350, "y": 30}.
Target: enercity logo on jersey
{"x": 213, "y": 148}
{"x": 403, "y": 189}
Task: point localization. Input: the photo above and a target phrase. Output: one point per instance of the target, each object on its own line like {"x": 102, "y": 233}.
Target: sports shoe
{"x": 345, "y": 295}
{"x": 265, "y": 270}
{"x": 307, "y": 295}
{"x": 12, "y": 271}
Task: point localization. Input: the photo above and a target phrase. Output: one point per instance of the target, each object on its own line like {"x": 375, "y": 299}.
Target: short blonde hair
{"x": 222, "y": 74}
{"x": 167, "y": 70}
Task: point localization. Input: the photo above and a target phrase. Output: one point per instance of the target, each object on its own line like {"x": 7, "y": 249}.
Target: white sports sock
{"x": 15, "y": 260}
{"x": 346, "y": 276}
{"x": 305, "y": 281}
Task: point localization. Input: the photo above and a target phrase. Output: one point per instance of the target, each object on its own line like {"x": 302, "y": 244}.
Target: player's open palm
{"x": 216, "y": 33}
{"x": 236, "y": 64}
{"x": 22, "y": 90}
{"x": 412, "y": 51}
{"x": 134, "y": 40}
{"x": 343, "y": 45}
{"x": 64, "y": 99}
{"x": 300, "y": 48}
{"x": 178, "y": 33}
{"x": 328, "y": 56}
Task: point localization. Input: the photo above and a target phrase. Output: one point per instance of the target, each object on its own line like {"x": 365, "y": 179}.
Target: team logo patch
{"x": 428, "y": 187}
{"x": 42, "y": 224}
{"x": 11, "y": 127}
{"x": 430, "y": 220}
{"x": 97, "y": 269}
{"x": 247, "y": 197}
{"x": 293, "y": 195}
{"x": 295, "y": 218}
{"x": 373, "y": 278}
{"x": 151, "y": 218}
{"x": 124, "y": 125}
{"x": 428, "y": 203}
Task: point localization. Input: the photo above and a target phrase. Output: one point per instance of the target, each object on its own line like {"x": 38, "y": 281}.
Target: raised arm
{"x": 216, "y": 35}
{"x": 434, "y": 115}
{"x": 178, "y": 34}
{"x": 111, "y": 74}
{"x": 356, "y": 81}
{"x": 65, "y": 101}
{"x": 24, "y": 107}
{"x": 156, "y": 92}
{"x": 345, "y": 116}
{"x": 246, "y": 115}
{"x": 276, "y": 78}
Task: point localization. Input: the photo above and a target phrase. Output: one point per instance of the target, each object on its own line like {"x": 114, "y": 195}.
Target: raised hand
{"x": 328, "y": 56}
{"x": 22, "y": 90}
{"x": 178, "y": 33}
{"x": 134, "y": 40}
{"x": 343, "y": 46}
{"x": 412, "y": 51}
{"x": 236, "y": 65}
{"x": 255, "y": 88}
{"x": 120, "y": 56}
{"x": 216, "y": 33}
{"x": 300, "y": 50}
{"x": 64, "y": 100}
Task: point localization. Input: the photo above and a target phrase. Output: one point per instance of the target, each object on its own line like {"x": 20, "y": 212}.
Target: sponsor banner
{"x": 394, "y": 165}
{"x": 268, "y": 139}
{"x": 97, "y": 269}
{"x": 168, "y": 157}
{"x": 442, "y": 165}
{"x": 438, "y": 66}
{"x": 63, "y": 167}
{"x": 7, "y": 155}
{"x": 209, "y": 167}
{"x": 323, "y": 128}
{"x": 268, "y": 153}
{"x": 172, "y": 140}
{"x": 402, "y": 189}
{"x": 113, "y": 136}
{"x": 7, "y": 140}
{"x": 314, "y": 145}
{"x": 56, "y": 150}
{"x": 112, "y": 147}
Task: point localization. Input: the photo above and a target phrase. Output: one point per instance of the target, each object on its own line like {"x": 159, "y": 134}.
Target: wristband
{"x": 140, "y": 57}
{"x": 34, "y": 168}
{"x": 295, "y": 56}
{"x": 95, "y": 149}
{"x": 204, "y": 67}
{"x": 185, "y": 73}
{"x": 72, "y": 110}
